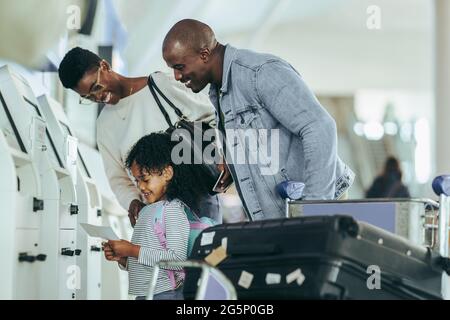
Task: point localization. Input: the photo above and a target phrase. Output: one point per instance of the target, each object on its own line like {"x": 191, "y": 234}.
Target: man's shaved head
{"x": 192, "y": 51}
{"x": 189, "y": 35}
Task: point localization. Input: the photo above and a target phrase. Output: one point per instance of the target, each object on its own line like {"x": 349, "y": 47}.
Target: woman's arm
{"x": 120, "y": 182}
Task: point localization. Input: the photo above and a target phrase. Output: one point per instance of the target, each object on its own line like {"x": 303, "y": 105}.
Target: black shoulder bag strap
{"x": 158, "y": 102}
{"x": 152, "y": 85}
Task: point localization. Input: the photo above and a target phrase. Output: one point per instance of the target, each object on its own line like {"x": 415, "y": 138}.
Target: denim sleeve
{"x": 282, "y": 91}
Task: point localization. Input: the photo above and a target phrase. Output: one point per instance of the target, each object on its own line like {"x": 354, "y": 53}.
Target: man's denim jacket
{"x": 262, "y": 91}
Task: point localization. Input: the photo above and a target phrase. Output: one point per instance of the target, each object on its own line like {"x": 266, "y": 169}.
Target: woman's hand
{"x": 134, "y": 209}
{"x": 123, "y": 249}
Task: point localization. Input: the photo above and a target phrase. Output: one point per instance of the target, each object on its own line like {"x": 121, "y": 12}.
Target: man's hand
{"x": 227, "y": 179}
{"x": 133, "y": 211}
{"x": 123, "y": 249}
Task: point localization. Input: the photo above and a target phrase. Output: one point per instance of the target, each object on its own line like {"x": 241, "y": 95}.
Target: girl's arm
{"x": 177, "y": 236}
{"x": 123, "y": 263}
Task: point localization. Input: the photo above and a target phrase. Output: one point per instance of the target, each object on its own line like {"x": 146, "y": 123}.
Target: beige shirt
{"x": 120, "y": 126}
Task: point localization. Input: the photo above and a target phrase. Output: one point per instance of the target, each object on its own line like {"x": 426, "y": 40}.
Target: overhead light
{"x": 373, "y": 131}
{"x": 390, "y": 128}
{"x": 406, "y": 131}
{"x": 358, "y": 128}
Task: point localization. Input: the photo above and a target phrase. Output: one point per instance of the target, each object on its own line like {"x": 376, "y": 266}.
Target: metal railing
{"x": 207, "y": 273}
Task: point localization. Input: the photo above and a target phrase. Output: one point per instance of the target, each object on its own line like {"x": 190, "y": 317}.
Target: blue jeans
{"x": 166, "y": 295}
{"x": 209, "y": 207}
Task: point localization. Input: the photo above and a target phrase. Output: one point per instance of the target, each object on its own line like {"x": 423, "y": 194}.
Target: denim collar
{"x": 230, "y": 54}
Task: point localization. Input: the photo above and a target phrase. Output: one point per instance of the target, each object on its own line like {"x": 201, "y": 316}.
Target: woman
{"x": 130, "y": 113}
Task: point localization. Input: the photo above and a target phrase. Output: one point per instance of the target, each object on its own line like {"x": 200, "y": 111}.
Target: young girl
{"x": 168, "y": 188}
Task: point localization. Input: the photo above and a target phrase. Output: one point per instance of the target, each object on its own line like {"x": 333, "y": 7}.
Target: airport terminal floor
{"x": 82, "y": 220}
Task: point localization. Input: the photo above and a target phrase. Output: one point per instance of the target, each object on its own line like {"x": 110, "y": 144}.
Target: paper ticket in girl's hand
{"x": 99, "y": 231}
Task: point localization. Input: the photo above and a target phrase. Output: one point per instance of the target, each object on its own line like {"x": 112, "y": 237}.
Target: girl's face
{"x": 153, "y": 186}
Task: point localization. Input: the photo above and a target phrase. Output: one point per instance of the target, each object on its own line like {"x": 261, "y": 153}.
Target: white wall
{"x": 343, "y": 61}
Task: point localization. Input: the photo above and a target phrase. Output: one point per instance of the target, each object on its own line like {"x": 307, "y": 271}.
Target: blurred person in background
{"x": 389, "y": 184}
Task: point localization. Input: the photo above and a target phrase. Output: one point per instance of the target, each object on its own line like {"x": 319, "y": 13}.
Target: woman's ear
{"x": 105, "y": 65}
{"x": 168, "y": 173}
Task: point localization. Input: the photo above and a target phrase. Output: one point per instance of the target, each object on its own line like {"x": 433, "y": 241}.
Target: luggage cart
{"x": 422, "y": 221}
{"x": 213, "y": 284}
{"x": 414, "y": 219}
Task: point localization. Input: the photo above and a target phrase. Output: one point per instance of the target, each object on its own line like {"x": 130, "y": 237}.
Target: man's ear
{"x": 168, "y": 173}
{"x": 205, "y": 54}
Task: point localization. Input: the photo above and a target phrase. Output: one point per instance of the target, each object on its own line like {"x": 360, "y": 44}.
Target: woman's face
{"x": 99, "y": 85}
{"x": 153, "y": 186}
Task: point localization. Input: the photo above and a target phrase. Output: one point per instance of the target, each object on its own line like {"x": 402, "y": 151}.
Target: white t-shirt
{"x": 120, "y": 126}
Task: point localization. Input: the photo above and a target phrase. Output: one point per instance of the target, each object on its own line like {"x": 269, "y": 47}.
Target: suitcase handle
{"x": 252, "y": 249}
{"x": 442, "y": 263}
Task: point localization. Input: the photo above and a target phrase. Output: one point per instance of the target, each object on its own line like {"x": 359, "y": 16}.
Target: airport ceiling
{"x": 137, "y": 27}
{"x": 146, "y": 22}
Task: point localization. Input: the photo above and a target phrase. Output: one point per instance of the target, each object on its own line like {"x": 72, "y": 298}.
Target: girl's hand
{"x": 123, "y": 262}
{"x": 109, "y": 253}
{"x": 123, "y": 249}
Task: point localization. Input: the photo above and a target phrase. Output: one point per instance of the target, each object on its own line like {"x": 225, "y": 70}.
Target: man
{"x": 254, "y": 91}
{"x": 130, "y": 113}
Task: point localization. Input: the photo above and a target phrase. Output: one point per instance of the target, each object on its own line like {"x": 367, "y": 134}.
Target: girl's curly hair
{"x": 153, "y": 153}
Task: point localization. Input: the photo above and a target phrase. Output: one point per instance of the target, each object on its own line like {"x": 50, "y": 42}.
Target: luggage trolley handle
{"x": 290, "y": 191}
{"x": 430, "y": 224}
{"x": 441, "y": 186}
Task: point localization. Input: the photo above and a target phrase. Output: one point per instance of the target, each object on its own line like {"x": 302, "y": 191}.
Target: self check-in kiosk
{"x": 88, "y": 196}
{"x": 114, "y": 281}
{"x": 46, "y": 210}
{"x": 10, "y": 246}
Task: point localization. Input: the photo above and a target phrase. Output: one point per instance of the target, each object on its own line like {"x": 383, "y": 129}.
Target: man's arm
{"x": 285, "y": 95}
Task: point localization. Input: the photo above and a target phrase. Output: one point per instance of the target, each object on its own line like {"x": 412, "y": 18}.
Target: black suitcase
{"x": 329, "y": 257}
